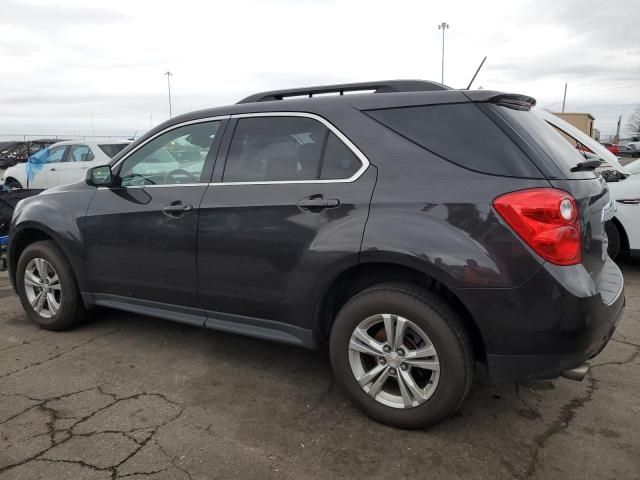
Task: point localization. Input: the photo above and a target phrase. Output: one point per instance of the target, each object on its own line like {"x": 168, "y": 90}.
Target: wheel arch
{"x": 27, "y": 234}
{"x": 624, "y": 239}
{"x": 367, "y": 274}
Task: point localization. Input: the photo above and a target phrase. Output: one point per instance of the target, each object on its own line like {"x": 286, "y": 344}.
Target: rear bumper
{"x": 506, "y": 368}
{"x": 559, "y": 319}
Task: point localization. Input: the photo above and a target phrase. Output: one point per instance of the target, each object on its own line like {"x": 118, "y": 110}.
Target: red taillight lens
{"x": 547, "y": 220}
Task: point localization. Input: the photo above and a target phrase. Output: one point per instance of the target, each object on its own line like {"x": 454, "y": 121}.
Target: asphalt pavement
{"x": 127, "y": 396}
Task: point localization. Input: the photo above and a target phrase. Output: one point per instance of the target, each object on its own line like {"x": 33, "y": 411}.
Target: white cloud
{"x": 64, "y": 62}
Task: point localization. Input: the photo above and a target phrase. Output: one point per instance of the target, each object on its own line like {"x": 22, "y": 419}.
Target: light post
{"x": 443, "y": 26}
{"x": 169, "y": 74}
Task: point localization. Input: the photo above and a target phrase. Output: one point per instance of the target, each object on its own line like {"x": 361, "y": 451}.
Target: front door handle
{"x": 176, "y": 209}
{"x": 318, "y": 203}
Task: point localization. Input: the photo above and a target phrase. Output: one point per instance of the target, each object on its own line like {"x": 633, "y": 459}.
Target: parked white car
{"x": 623, "y": 228}
{"x": 61, "y": 164}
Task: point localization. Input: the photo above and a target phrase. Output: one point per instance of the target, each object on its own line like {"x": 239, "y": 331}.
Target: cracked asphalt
{"x": 126, "y": 396}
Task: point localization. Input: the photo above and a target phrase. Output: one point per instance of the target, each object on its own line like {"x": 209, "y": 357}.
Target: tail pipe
{"x": 577, "y": 373}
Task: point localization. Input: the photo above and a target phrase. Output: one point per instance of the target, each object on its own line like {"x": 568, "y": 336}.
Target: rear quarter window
{"x": 561, "y": 149}
{"x": 460, "y": 133}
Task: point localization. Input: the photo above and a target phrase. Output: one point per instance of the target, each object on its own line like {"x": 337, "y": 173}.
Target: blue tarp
{"x": 4, "y": 240}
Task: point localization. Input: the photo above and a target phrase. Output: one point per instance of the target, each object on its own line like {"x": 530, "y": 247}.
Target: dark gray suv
{"x": 414, "y": 229}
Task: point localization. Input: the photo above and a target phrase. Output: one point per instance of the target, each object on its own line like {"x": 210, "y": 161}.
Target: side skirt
{"x": 238, "y": 324}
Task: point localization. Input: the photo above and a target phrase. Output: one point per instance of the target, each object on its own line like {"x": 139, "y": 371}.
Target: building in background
{"x": 582, "y": 121}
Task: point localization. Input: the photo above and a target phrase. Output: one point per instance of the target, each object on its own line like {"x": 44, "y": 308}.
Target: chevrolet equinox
{"x": 415, "y": 229}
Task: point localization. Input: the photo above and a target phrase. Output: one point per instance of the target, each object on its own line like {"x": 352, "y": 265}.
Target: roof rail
{"x": 387, "y": 86}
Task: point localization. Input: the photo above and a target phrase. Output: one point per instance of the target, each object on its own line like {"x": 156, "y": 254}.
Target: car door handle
{"x": 176, "y": 209}
{"x": 52, "y": 169}
{"x": 318, "y": 203}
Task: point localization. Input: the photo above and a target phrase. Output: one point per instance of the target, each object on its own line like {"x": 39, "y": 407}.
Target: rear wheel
{"x": 402, "y": 354}
{"x": 47, "y": 287}
{"x": 614, "y": 239}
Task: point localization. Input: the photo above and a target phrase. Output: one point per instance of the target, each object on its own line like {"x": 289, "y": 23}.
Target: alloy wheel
{"x": 394, "y": 361}
{"x": 42, "y": 287}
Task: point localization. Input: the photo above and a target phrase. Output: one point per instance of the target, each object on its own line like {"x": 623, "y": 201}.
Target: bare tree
{"x": 633, "y": 122}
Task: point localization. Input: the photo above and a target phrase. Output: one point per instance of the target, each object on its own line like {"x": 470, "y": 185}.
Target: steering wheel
{"x": 174, "y": 176}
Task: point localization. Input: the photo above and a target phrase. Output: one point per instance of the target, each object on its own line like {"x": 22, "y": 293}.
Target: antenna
{"x": 476, "y": 74}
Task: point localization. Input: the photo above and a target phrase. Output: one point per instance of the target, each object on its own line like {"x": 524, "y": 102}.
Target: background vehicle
{"x": 12, "y": 153}
{"x": 612, "y": 147}
{"x": 631, "y": 149}
{"x": 362, "y": 221}
{"x": 623, "y": 229}
{"x": 62, "y": 163}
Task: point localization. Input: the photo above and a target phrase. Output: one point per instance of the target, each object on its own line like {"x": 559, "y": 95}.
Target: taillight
{"x": 547, "y": 220}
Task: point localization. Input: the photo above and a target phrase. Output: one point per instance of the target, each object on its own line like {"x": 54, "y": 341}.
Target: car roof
{"x": 91, "y": 143}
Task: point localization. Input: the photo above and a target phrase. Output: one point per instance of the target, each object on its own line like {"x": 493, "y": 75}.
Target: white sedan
{"x": 61, "y": 164}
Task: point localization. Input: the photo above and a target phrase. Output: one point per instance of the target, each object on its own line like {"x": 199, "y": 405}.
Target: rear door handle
{"x": 318, "y": 203}
{"x": 176, "y": 209}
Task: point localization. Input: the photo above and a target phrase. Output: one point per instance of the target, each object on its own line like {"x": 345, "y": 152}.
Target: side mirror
{"x": 100, "y": 176}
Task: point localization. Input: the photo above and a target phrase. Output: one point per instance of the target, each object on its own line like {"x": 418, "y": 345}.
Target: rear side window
{"x": 112, "y": 149}
{"x": 272, "y": 149}
{"x": 563, "y": 150}
{"x": 461, "y": 134}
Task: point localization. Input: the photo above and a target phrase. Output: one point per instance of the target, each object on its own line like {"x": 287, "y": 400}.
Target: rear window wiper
{"x": 591, "y": 164}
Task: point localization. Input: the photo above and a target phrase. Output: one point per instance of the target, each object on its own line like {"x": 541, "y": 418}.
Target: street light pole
{"x": 169, "y": 74}
{"x": 443, "y": 26}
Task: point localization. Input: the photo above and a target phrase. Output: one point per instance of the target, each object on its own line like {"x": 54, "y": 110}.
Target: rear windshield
{"x": 111, "y": 149}
{"x": 563, "y": 150}
{"x": 460, "y": 133}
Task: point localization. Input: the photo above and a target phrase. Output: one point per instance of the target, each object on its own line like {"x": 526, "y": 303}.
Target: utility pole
{"x": 169, "y": 74}
{"x": 618, "y": 130}
{"x": 564, "y": 99}
{"x": 443, "y": 26}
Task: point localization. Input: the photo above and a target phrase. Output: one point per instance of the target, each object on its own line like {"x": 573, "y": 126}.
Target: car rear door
{"x": 286, "y": 210}
{"x": 140, "y": 236}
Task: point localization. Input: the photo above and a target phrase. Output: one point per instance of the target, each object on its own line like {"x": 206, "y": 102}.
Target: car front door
{"x": 140, "y": 236}
{"x": 41, "y": 168}
{"x": 288, "y": 210}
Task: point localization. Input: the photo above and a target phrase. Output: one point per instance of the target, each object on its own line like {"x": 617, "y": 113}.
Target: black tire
{"x": 614, "y": 239}
{"x": 12, "y": 183}
{"x": 72, "y": 309}
{"x": 444, "y": 328}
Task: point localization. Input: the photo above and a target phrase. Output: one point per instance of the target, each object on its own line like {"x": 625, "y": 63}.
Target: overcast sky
{"x": 90, "y": 67}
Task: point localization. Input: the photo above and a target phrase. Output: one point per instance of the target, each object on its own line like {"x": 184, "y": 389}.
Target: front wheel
{"x": 613, "y": 236}
{"x": 47, "y": 287}
{"x": 13, "y": 183}
{"x": 402, "y": 354}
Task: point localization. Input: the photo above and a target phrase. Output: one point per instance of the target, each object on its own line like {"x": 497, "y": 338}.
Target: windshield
{"x": 111, "y": 149}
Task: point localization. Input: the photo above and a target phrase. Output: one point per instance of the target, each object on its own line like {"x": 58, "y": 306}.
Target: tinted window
{"x": 267, "y": 149}
{"x": 79, "y": 153}
{"x": 177, "y": 156}
{"x": 460, "y": 133}
{"x": 275, "y": 149}
{"x": 112, "y": 149}
{"x": 339, "y": 161}
{"x": 561, "y": 149}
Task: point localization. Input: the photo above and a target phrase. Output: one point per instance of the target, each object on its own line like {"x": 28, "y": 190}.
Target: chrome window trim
{"x": 350, "y": 145}
{"x": 364, "y": 161}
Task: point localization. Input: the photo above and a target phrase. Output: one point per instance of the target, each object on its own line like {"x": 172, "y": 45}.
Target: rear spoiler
{"x": 512, "y": 100}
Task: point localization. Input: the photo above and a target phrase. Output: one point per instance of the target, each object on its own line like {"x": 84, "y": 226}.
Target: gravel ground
{"x": 127, "y": 396}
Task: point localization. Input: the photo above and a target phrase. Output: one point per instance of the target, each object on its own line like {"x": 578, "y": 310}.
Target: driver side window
{"x": 175, "y": 157}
